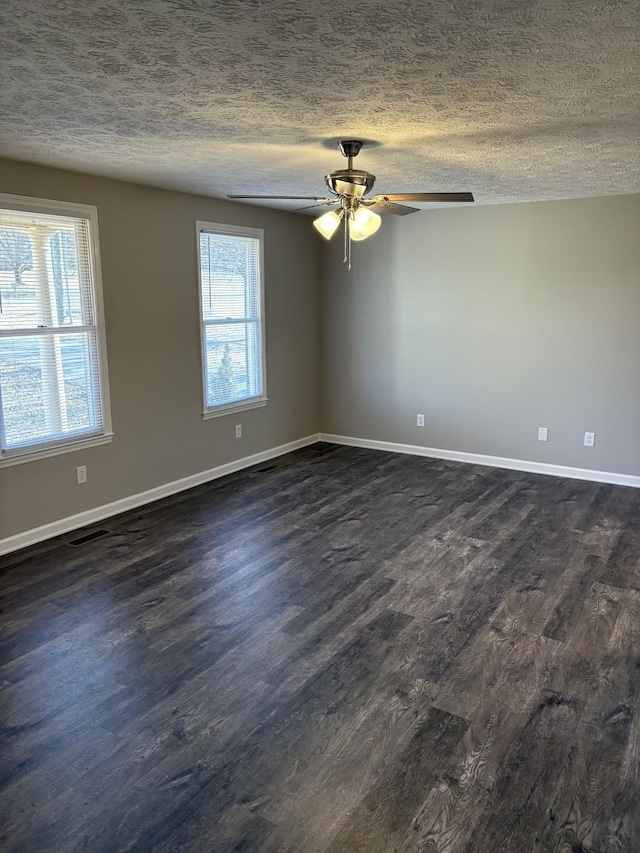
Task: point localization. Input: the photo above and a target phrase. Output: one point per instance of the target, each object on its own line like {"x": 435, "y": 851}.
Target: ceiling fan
{"x": 360, "y": 215}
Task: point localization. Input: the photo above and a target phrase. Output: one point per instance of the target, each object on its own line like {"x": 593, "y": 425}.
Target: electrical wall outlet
{"x": 420, "y": 420}
{"x": 543, "y": 433}
{"x": 81, "y": 474}
{"x": 589, "y": 439}
{"x": 238, "y": 430}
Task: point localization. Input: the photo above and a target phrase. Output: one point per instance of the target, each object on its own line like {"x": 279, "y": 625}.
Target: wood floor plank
{"x": 204, "y": 791}
{"x": 380, "y": 821}
{"x": 523, "y": 810}
{"x": 342, "y": 650}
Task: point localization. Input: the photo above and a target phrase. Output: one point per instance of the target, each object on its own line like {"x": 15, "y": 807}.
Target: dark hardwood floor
{"x": 342, "y": 650}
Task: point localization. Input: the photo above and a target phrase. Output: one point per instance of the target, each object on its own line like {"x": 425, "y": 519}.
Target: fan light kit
{"x": 359, "y": 215}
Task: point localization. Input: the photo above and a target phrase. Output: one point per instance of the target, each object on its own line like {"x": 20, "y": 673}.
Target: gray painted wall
{"x": 492, "y": 321}
{"x": 148, "y": 246}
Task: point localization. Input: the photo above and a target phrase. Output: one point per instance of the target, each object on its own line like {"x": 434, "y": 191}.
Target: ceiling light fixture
{"x": 348, "y": 188}
{"x": 364, "y": 223}
{"x": 359, "y": 223}
{"x": 327, "y": 224}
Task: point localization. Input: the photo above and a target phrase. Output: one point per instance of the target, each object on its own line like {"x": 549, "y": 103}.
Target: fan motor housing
{"x": 352, "y": 183}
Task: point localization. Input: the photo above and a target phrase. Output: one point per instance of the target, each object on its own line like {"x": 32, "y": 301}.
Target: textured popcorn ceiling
{"x": 511, "y": 100}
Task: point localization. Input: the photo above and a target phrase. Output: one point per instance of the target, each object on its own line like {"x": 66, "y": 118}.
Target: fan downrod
{"x": 350, "y": 148}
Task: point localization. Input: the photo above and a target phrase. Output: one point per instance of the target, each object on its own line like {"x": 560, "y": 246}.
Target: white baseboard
{"x": 90, "y": 516}
{"x": 493, "y": 461}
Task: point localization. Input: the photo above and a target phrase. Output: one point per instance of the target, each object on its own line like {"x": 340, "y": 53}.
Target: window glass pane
{"x": 48, "y": 387}
{"x": 229, "y": 278}
{"x": 21, "y": 305}
{"x": 49, "y": 374}
{"x": 64, "y": 269}
{"x": 45, "y": 273}
{"x": 22, "y": 390}
{"x": 231, "y": 300}
{"x": 231, "y": 352}
{"x": 80, "y": 380}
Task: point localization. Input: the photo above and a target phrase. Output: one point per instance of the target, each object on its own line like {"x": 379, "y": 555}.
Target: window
{"x": 53, "y": 378}
{"x": 231, "y": 311}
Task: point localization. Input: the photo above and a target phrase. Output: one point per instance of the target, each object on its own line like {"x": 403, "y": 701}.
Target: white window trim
{"x": 85, "y": 444}
{"x": 229, "y": 409}
{"x": 90, "y": 212}
{"x": 247, "y": 403}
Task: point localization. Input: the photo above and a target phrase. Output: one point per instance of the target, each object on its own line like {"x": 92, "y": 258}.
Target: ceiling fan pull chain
{"x": 346, "y": 237}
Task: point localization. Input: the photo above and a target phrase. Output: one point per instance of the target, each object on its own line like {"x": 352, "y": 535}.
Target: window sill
{"x": 235, "y": 409}
{"x": 34, "y": 455}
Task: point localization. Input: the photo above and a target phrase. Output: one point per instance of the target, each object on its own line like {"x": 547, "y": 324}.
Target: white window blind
{"x": 50, "y": 349}
{"x": 232, "y": 317}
